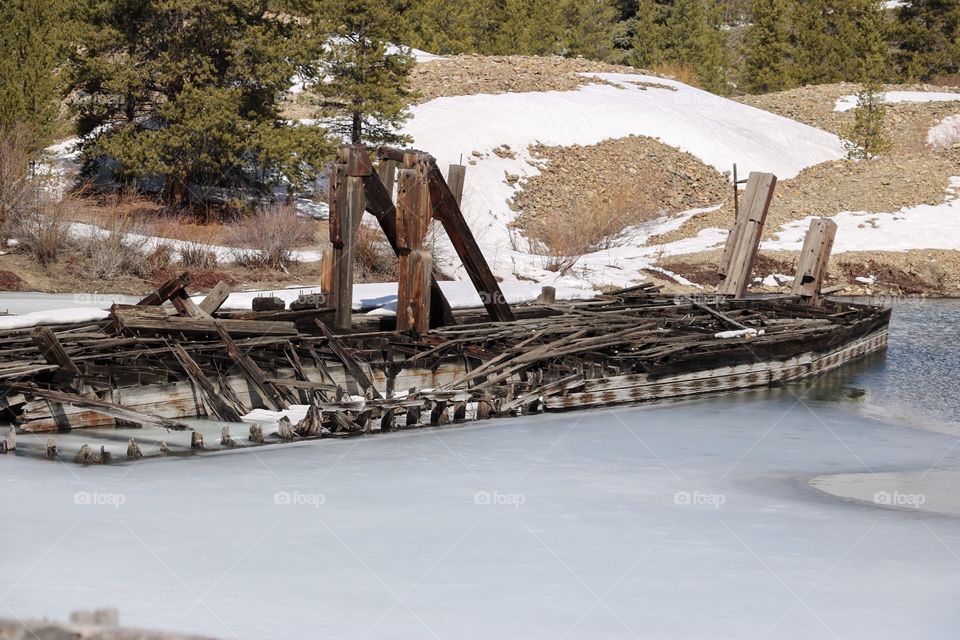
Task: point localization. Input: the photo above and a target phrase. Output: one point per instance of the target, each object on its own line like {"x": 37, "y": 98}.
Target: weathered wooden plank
{"x": 220, "y": 406}
{"x": 173, "y": 287}
{"x": 155, "y": 320}
{"x": 253, "y": 373}
{"x": 456, "y": 175}
{"x": 215, "y": 299}
{"x": 114, "y": 411}
{"x": 743, "y": 242}
{"x": 52, "y": 351}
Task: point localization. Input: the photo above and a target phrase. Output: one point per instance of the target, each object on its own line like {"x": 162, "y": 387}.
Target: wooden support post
{"x": 387, "y": 170}
{"x": 50, "y": 449}
{"x": 133, "y": 450}
{"x": 548, "y": 295}
{"x": 52, "y": 351}
{"x": 196, "y": 440}
{"x": 740, "y": 251}
{"x": 326, "y": 275}
{"x": 447, "y": 211}
{"x": 455, "y": 178}
{"x": 350, "y": 203}
{"x": 256, "y": 434}
{"x": 380, "y": 205}
{"x": 416, "y": 265}
{"x": 814, "y": 258}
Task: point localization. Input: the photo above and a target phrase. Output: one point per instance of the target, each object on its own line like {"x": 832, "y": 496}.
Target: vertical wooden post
{"x": 350, "y": 203}
{"x": 455, "y": 179}
{"x": 416, "y": 265}
{"x": 814, "y": 258}
{"x": 743, "y": 243}
{"x": 387, "y": 171}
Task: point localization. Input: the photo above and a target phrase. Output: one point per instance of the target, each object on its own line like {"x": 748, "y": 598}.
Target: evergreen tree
{"x": 867, "y": 136}
{"x": 647, "y": 34}
{"x": 927, "y": 36}
{"x": 692, "y": 36}
{"x": 33, "y": 40}
{"x": 362, "y": 76}
{"x": 589, "y": 28}
{"x": 768, "y": 64}
{"x": 186, "y": 90}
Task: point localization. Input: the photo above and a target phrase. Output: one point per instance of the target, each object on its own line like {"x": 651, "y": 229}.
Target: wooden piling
{"x": 548, "y": 295}
{"x": 9, "y": 443}
{"x": 814, "y": 258}
{"x": 196, "y": 440}
{"x": 456, "y": 174}
{"x": 743, "y": 243}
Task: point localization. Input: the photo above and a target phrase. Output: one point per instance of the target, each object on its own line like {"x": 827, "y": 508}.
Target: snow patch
{"x": 742, "y": 333}
{"x": 847, "y": 103}
{"x": 946, "y": 134}
{"x": 74, "y": 315}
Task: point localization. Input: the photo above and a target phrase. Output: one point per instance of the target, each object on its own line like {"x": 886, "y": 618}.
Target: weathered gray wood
{"x": 219, "y": 406}
{"x": 215, "y": 299}
{"x": 548, "y": 295}
{"x": 52, "y": 351}
{"x": 151, "y": 320}
{"x": 387, "y": 169}
{"x": 814, "y": 259}
{"x": 99, "y": 406}
{"x": 344, "y": 262}
{"x": 188, "y": 308}
{"x": 171, "y": 288}
{"x": 456, "y": 174}
{"x": 743, "y": 242}
{"x": 9, "y": 443}
{"x": 253, "y": 373}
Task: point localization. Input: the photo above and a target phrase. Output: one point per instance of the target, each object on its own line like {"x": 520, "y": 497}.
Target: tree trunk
{"x": 357, "y": 130}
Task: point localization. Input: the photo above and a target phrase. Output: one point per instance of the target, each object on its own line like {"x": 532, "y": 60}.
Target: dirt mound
{"x": 882, "y": 185}
{"x": 466, "y": 75}
{"x": 9, "y": 281}
{"x": 604, "y": 188}
{"x": 906, "y": 273}
{"x": 907, "y": 122}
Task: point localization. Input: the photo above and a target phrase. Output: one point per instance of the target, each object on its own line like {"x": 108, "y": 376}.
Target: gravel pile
{"x": 466, "y": 75}
{"x": 635, "y": 178}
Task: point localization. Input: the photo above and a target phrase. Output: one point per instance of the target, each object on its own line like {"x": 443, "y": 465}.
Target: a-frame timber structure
{"x": 423, "y": 195}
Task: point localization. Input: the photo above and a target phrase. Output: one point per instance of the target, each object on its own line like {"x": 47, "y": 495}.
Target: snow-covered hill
{"x": 718, "y": 131}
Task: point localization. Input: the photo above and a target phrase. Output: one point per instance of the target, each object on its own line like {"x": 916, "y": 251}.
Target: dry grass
{"x": 42, "y": 229}
{"x": 120, "y": 247}
{"x": 680, "y": 72}
{"x": 374, "y": 259}
{"x": 597, "y": 224}
{"x": 272, "y": 236}
{"x": 17, "y": 191}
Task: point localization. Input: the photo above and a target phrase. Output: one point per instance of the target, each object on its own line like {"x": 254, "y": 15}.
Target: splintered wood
{"x": 740, "y": 250}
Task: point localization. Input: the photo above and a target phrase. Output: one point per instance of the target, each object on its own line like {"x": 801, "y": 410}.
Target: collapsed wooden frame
{"x": 422, "y": 196}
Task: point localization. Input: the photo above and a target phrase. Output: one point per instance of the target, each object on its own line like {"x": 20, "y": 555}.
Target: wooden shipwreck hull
{"x": 147, "y": 367}
{"x": 169, "y": 358}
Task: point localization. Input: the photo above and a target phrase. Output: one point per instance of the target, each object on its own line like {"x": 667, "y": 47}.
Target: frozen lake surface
{"x": 685, "y": 520}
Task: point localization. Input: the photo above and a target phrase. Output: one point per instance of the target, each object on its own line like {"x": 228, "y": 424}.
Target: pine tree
{"x": 362, "y": 77}
{"x": 768, "y": 62}
{"x": 867, "y": 136}
{"x": 692, "y": 36}
{"x": 186, "y": 90}
{"x": 33, "y": 41}
{"x": 647, "y": 35}
{"x": 588, "y": 28}
{"x": 927, "y": 35}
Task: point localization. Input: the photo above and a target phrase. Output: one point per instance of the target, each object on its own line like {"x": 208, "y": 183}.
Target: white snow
{"x": 867, "y": 280}
{"x": 740, "y": 333}
{"x": 921, "y": 227}
{"x": 53, "y": 316}
{"x": 381, "y": 297}
{"x": 945, "y": 134}
{"x": 776, "y": 280}
{"x": 720, "y": 132}
{"x": 847, "y": 103}
{"x": 295, "y": 413}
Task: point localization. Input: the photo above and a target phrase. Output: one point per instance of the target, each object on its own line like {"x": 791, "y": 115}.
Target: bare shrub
{"x": 271, "y": 237}
{"x": 41, "y": 229}
{"x": 18, "y": 191}
{"x": 597, "y": 224}
{"x": 117, "y": 246}
{"x": 198, "y": 257}
{"x": 374, "y": 258}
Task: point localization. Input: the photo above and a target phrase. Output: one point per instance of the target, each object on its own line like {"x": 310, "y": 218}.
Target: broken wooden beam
{"x": 743, "y": 242}
{"x": 814, "y": 259}
{"x": 218, "y": 405}
{"x": 215, "y": 299}
{"x": 52, "y": 351}
{"x": 174, "y": 287}
{"x": 96, "y": 405}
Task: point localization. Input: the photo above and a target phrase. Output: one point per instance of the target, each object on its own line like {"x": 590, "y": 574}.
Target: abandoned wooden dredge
{"x": 334, "y": 373}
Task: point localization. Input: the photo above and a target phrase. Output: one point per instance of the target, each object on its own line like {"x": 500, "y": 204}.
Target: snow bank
{"x": 53, "y": 316}
{"x": 921, "y": 227}
{"x": 381, "y": 297}
{"x": 846, "y": 103}
{"x": 946, "y": 134}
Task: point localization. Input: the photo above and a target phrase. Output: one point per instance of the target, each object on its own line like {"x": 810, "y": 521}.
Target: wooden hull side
{"x": 641, "y": 388}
